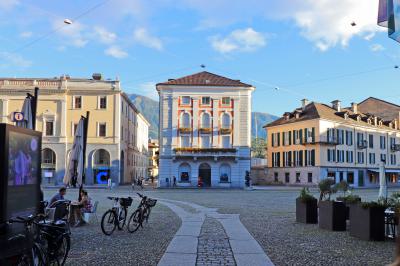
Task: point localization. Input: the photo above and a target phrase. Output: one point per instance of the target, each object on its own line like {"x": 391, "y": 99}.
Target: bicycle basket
{"x": 126, "y": 202}
{"x": 151, "y": 202}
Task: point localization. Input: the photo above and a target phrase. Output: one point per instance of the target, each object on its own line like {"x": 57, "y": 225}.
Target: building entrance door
{"x": 205, "y": 175}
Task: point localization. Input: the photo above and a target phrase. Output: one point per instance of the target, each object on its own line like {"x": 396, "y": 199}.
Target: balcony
{"x": 185, "y": 130}
{"x": 225, "y": 131}
{"x": 395, "y": 147}
{"x": 329, "y": 141}
{"x": 362, "y": 144}
{"x": 206, "y": 152}
{"x": 205, "y": 130}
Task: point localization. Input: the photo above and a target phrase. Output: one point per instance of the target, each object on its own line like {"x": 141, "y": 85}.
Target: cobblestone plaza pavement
{"x": 221, "y": 227}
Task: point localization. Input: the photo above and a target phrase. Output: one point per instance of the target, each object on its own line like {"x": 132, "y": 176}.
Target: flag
{"x": 27, "y": 122}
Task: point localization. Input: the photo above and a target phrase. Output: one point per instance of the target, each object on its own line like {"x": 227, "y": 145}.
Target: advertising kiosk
{"x": 20, "y": 178}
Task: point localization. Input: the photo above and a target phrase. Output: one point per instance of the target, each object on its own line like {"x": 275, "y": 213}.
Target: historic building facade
{"x": 117, "y": 132}
{"x": 153, "y": 158}
{"x": 205, "y": 126}
{"x": 318, "y": 141}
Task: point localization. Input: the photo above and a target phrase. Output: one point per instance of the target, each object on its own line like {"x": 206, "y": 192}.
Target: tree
{"x": 258, "y": 148}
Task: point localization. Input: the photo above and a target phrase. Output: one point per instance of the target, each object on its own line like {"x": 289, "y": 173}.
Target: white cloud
{"x": 8, "y": 4}
{"x": 116, "y": 52}
{"x": 72, "y": 32}
{"x": 104, "y": 35}
{"x": 376, "y": 47}
{"x": 245, "y": 40}
{"x": 142, "y": 36}
{"x": 26, "y": 34}
{"x": 14, "y": 60}
{"x": 328, "y": 23}
{"x": 148, "y": 89}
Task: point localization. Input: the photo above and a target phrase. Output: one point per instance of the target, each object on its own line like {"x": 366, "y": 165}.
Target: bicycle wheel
{"x": 38, "y": 255}
{"x": 122, "y": 218}
{"x": 63, "y": 249}
{"x": 135, "y": 221}
{"x": 108, "y": 224}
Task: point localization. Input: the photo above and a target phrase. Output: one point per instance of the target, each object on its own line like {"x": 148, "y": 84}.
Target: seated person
{"x": 83, "y": 206}
{"x": 59, "y": 196}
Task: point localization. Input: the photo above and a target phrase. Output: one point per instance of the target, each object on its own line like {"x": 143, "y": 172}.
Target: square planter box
{"x": 332, "y": 215}
{"x": 307, "y": 212}
{"x": 367, "y": 223}
{"x": 348, "y": 206}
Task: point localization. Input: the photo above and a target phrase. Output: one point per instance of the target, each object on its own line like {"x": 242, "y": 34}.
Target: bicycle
{"x": 51, "y": 241}
{"x": 141, "y": 214}
{"x": 116, "y": 216}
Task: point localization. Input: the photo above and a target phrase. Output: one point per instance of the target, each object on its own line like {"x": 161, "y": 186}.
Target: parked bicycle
{"x": 141, "y": 214}
{"x": 50, "y": 242}
{"x": 116, "y": 216}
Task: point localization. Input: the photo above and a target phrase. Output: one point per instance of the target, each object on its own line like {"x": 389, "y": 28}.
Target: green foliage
{"x": 351, "y": 198}
{"x": 342, "y": 186}
{"x": 394, "y": 200}
{"x": 326, "y": 188}
{"x": 258, "y": 147}
{"x": 305, "y": 195}
{"x": 380, "y": 203}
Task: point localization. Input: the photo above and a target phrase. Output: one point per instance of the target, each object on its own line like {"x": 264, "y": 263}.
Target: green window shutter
{"x": 300, "y": 132}
{"x": 272, "y": 139}
{"x": 283, "y": 138}
{"x": 313, "y": 134}
{"x": 290, "y": 137}
{"x": 279, "y": 139}
{"x": 301, "y": 158}
{"x": 305, "y": 135}
{"x": 313, "y": 157}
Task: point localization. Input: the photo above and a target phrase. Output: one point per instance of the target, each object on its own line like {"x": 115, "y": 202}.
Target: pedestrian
{"x": 59, "y": 196}
{"x": 174, "y": 179}
{"x": 141, "y": 182}
{"x": 109, "y": 182}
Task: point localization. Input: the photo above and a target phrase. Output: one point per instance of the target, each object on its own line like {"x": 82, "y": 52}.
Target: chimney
{"x": 97, "y": 76}
{"x": 375, "y": 121}
{"x": 354, "y": 108}
{"x": 304, "y": 103}
{"x": 337, "y": 105}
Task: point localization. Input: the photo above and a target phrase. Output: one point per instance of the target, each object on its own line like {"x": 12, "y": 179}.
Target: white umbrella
{"x": 382, "y": 181}
{"x": 27, "y": 122}
{"x": 75, "y": 162}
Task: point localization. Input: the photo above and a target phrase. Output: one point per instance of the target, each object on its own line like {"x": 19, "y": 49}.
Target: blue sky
{"x": 304, "y": 48}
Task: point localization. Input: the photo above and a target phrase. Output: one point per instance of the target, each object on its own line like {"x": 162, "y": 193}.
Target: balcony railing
{"x": 362, "y": 144}
{"x": 329, "y": 141}
{"x": 205, "y": 130}
{"x": 185, "y": 130}
{"x": 224, "y": 131}
{"x": 206, "y": 152}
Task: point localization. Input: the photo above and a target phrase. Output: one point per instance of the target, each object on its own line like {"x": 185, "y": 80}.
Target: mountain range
{"x": 149, "y": 108}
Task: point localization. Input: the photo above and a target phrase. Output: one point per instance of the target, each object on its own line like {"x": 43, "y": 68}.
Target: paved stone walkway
{"x": 190, "y": 246}
{"x": 213, "y": 247}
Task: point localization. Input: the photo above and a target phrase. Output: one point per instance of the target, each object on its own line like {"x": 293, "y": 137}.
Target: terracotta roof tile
{"x": 205, "y": 79}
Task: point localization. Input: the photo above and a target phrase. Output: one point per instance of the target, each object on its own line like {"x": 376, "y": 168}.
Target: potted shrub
{"x": 367, "y": 220}
{"x": 348, "y": 198}
{"x": 306, "y": 208}
{"x": 332, "y": 214}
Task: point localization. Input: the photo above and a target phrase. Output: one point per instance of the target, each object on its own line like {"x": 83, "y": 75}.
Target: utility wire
{"x": 60, "y": 27}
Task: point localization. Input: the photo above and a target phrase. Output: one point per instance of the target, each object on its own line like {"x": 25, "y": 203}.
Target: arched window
{"x": 102, "y": 157}
{"x": 226, "y": 121}
{"x": 224, "y": 173}
{"x": 184, "y": 172}
{"x": 48, "y": 156}
{"x": 186, "y": 120}
{"x": 205, "y": 120}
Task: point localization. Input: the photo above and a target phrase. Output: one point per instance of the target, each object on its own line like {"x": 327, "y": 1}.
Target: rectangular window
{"x": 103, "y": 102}
{"x": 205, "y": 141}
{"x": 393, "y": 159}
{"x": 360, "y": 157}
{"x": 49, "y": 128}
{"x": 371, "y": 141}
{"x": 185, "y": 141}
{"x": 205, "y": 100}
{"x": 226, "y": 101}
{"x": 382, "y": 142}
{"x": 226, "y": 142}
{"x": 297, "y": 177}
{"x": 77, "y": 102}
{"x": 383, "y": 157}
{"x": 287, "y": 177}
{"x": 185, "y": 100}
{"x": 102, "y": 130}
{"x": 372, "y": 158}
{"x": 276, "y": 177}
{"x": 349, "y": 138}
{"x": 309, "y": 178}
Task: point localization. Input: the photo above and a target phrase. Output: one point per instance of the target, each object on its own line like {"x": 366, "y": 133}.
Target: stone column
{"x": 215, "y": 120}
{"x": 5, "y": 113}
{"x": 236, "y": 122}
{"x": 63, "y": 118}
{"x": 195, "y": 121}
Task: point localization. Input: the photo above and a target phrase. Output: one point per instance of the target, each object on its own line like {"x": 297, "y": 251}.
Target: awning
{"x": 388, "y": 171}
